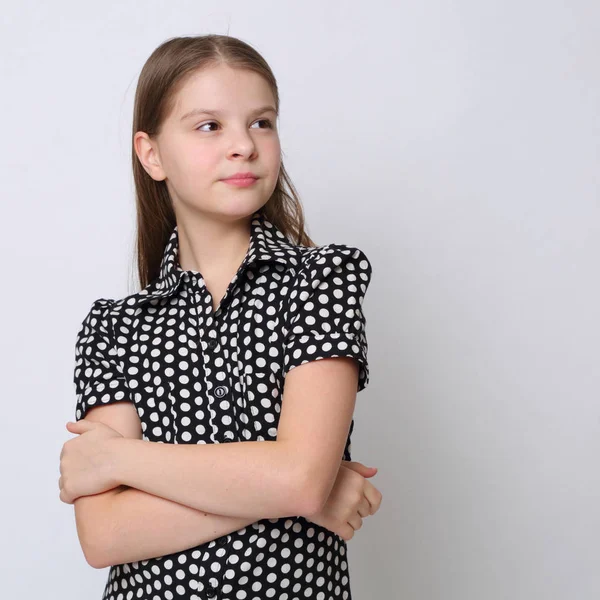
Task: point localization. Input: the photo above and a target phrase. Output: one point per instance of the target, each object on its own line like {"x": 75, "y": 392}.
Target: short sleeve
{"x": 98, "y": 375}
{"x": 325, "y": 314}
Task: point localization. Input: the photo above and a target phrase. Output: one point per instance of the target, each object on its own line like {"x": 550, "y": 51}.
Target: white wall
{"x": 457, "y": 143}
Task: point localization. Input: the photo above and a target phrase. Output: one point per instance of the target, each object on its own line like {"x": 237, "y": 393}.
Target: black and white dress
{"x": 202, "y": 376}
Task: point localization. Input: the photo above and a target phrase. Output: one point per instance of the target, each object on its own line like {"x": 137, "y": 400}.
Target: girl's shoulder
{"x": 336, "y": 257}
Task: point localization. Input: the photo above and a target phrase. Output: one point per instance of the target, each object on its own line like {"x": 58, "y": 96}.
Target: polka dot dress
{"x": 202, "y": 376}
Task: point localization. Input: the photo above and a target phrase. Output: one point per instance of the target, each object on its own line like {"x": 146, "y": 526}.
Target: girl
{"x": 236, "y": 300}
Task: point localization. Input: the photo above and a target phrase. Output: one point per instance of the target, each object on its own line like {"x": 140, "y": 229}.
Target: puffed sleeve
{"x": 98, "y": 374}
{"x": 325, "y": 315}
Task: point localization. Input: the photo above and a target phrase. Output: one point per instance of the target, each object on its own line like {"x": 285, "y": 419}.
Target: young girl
{"x": 236, "y": 300}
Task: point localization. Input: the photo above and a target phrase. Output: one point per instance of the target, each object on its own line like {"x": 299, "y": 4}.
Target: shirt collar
{"x": 267, "y": 244}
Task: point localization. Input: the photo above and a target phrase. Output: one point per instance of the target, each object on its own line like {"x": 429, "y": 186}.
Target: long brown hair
{"x": 163, "y": 74}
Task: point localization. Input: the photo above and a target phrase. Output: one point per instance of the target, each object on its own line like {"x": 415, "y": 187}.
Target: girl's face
{"x": 223, "y": 123}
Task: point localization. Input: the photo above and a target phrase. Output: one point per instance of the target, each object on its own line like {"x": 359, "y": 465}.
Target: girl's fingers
{"x": 373, "y": 496}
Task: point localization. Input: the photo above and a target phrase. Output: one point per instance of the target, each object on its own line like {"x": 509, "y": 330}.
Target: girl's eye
{"x": 267, "y": 121}
{"x": 204, "y": 125}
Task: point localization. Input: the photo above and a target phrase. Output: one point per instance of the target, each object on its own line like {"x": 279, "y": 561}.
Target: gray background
{"x": 457, "y": 144}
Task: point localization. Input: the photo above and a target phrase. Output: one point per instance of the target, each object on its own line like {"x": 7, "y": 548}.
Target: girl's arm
{"x": 253, "y": 480}
{"x": 292, "y": 475}
{"x": 131, "y": 525}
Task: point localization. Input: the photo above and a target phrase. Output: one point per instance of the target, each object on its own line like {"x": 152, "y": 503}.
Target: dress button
{"x": 212, "y": 344}
{"x": 211, "y": 590}
{"x": 221, "y": 391}
{"x": 222, "y": 540}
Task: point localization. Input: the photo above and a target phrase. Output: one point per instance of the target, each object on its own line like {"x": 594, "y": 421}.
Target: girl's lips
{"x": 240, "y": 181}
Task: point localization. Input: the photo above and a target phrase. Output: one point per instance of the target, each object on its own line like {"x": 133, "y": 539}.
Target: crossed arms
{"x": 176, "y": 496}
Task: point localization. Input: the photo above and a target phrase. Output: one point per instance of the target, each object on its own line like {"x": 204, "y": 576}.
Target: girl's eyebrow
{"x": 216, "y": 113}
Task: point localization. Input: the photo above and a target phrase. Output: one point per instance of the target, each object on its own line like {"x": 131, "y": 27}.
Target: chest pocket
{"x": 260, "y": 357}
{"x": 262, "y": 397}
{"x": 262, "y": 383}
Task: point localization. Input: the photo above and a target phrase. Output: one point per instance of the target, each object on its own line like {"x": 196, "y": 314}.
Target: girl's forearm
{"x": 139, "y": 526}
{"x": 239, "y": 479}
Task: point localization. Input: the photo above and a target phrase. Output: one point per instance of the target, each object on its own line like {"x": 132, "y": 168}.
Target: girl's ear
{"x": 148, "y": 155}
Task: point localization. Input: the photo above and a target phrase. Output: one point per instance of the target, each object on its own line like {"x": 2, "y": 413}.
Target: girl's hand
{"x": 87, "y": 461}
{"x": 351, "y": 498}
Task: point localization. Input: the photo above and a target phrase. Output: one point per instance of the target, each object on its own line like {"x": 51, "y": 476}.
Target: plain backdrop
{"x": 456, "y": 143}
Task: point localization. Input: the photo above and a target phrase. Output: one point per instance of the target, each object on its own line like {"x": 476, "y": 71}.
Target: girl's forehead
{"x": 220, "y": 87}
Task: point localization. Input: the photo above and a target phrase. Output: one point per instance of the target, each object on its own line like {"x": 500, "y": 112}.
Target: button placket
{"x": 213, "y": 582}
{"x": 220, "y": 391}
{"x": 207, "y": 345}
